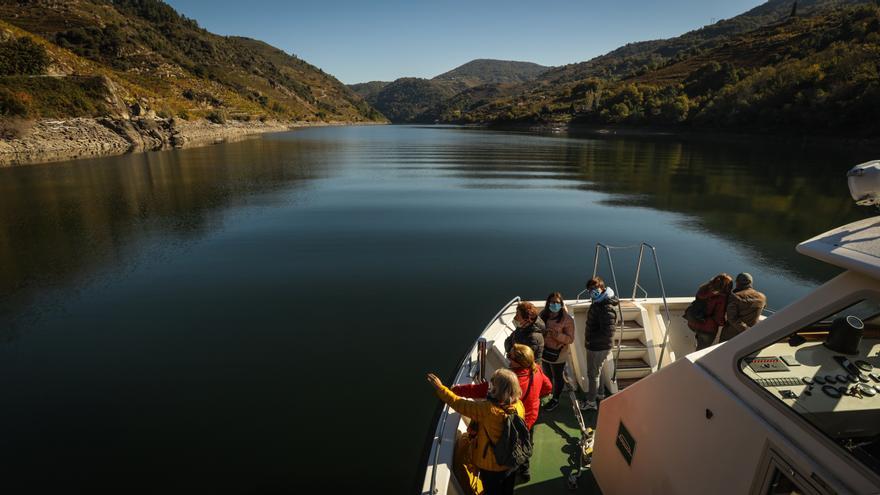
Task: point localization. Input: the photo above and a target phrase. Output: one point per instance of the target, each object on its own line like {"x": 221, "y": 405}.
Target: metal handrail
{"x": 636, "y": 287}
{"x": 642, "y": 289}
{"x": 662, "y": 294}
{"x": 445, "y": 412}
{"x": 608, "y": 249}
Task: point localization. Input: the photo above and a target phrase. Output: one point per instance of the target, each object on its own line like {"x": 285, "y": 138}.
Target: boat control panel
{"x": 838, "y": 393}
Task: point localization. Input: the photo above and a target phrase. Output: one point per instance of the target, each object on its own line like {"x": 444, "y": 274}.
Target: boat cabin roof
{"x": 855, "y": 247}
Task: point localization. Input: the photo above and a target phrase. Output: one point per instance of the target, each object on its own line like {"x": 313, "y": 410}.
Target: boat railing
{"x": 444, "y": 414}
{"x": 662, "y": 294}
{"x": 636, "y": 288}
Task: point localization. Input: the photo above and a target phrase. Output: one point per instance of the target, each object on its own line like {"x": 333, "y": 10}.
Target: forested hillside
{"x": 816, "y": 73}
{"x": 411, "y": 99}
{"x": 99, "y": 57}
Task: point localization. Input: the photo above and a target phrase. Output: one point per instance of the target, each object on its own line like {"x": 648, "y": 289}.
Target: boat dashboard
{"x": 837, "y": 392}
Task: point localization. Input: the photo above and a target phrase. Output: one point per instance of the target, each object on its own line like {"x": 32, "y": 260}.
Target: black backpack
{"x": 514, "y": 446}
{"x": 696, "y": 312}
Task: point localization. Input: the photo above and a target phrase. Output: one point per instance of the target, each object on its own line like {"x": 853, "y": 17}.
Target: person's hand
{"x": 434, "y": 381}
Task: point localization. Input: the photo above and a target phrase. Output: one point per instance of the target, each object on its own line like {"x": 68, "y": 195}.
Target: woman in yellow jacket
{"x": 502, "y": 399}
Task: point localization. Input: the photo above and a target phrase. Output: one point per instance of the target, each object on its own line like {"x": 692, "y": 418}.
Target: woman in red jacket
{"x": 714, "y": 293}
{"x": 532, "y": 380}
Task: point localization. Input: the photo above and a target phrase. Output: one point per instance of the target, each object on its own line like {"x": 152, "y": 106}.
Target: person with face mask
{"x": 503, "y": 394}
{"x": 601, "y": 320}
{"x": 558, "y": 334}
{"x": 529, "y": 330}
{"x": 532, "y": 381}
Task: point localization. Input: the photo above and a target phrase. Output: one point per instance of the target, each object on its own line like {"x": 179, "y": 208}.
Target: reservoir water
{"x": 258, "y": 316}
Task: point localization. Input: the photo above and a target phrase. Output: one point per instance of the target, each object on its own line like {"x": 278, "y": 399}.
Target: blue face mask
{"x": 595, "y": 294}
{"x": 555, "y": 307}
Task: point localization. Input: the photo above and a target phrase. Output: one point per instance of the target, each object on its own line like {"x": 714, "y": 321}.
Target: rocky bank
{"x": 61, "y": 139}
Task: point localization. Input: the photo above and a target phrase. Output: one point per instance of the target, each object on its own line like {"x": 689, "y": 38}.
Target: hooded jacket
{"x": 716, "y": 305}
{"x": 601, "y": 318}
{"x": 491, "y": 418}
{"x": 744, "y": 307}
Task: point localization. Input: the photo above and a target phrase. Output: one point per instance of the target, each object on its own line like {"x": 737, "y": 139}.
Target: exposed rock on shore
{"x": 51, "y": 140}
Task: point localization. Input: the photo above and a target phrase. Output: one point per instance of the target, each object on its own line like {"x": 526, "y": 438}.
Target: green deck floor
{"x": 556, "y": 437}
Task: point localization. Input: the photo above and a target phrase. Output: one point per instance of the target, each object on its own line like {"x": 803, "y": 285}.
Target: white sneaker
{"x": 588, "y": 405}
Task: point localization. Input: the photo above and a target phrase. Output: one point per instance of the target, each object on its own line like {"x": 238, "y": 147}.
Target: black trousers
{"x": 498, "y": 482}
{"x": 555, "y": 373}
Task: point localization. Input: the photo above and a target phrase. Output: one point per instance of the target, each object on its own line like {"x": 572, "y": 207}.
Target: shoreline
{"x": 53, "y": 140}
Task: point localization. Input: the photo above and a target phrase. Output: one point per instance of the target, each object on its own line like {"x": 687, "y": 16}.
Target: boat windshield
{"x": 828, "y": 373}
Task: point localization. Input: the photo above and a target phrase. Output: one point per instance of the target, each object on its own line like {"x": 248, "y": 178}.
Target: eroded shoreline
{"x": 51, "y": 140}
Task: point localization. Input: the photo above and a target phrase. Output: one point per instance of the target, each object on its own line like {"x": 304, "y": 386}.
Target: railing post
{"x": 638, "y": 270}
{"x": 481, "y": 358}
{"x": 665, "y": 307}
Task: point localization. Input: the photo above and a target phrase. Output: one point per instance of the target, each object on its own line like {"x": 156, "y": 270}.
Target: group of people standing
{"x": 731, "y": 308}
{"x": 537, "y": 351}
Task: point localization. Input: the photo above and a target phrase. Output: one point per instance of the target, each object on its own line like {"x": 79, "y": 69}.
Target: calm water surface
{"x": 258, "y": 317}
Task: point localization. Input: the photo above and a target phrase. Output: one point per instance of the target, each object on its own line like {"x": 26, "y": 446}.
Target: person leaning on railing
{"x": 714, "y": 293}
{"x": 502, "y": 399}
{"x": 744, "y": 307}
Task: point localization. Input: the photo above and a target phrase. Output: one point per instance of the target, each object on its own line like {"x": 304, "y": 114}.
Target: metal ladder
{"x": 636, "y": 287}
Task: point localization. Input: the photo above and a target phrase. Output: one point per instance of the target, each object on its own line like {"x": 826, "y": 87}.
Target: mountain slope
{"x": 158, "y": 60}
{"x": 646, "y": 55}
{"x": 811, "y": 74}
{"x": 411, "y": 99}
{"x": 489, "y": 71}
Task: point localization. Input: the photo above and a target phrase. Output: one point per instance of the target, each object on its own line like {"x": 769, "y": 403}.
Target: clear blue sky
{"x": 367, "y": 40}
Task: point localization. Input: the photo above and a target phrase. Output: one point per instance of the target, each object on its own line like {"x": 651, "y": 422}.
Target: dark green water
{"x": 258, "y": 317}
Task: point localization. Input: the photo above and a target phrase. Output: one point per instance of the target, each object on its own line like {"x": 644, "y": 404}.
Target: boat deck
{"x": 556, "y": 437}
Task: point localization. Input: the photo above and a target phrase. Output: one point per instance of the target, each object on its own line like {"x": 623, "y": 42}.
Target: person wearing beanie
{"x": 744, "y": 307}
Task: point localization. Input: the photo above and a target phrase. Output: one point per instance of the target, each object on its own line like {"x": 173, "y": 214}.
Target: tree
{"x": 22, "y": 57}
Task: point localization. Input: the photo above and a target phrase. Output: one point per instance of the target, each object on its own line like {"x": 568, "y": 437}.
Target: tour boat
{"x": 791, "y": 405}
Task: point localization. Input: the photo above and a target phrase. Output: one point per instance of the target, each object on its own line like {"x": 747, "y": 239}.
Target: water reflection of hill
{"x": 763, "y": 197}
{"x": 62, "y": 221}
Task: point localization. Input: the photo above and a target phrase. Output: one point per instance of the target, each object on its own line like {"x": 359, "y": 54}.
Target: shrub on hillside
{"x": 13, "y": 104}
{"x": 216, "y": 117}
{"x": 22, "y": 56}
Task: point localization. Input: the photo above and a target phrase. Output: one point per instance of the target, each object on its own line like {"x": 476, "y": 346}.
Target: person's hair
{"x": 527, "y": 311}
{"x": 545, "y": 313}
{"x": 506, "y": 387}
{"x": 522, "y": 356}
{"x": 721, "y": 283}
{"x": 596, "y": 282}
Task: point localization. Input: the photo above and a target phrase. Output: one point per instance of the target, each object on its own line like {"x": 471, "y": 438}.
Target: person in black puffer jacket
{"x": 529, "y": 330}
{"x": 601, "y": 325}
